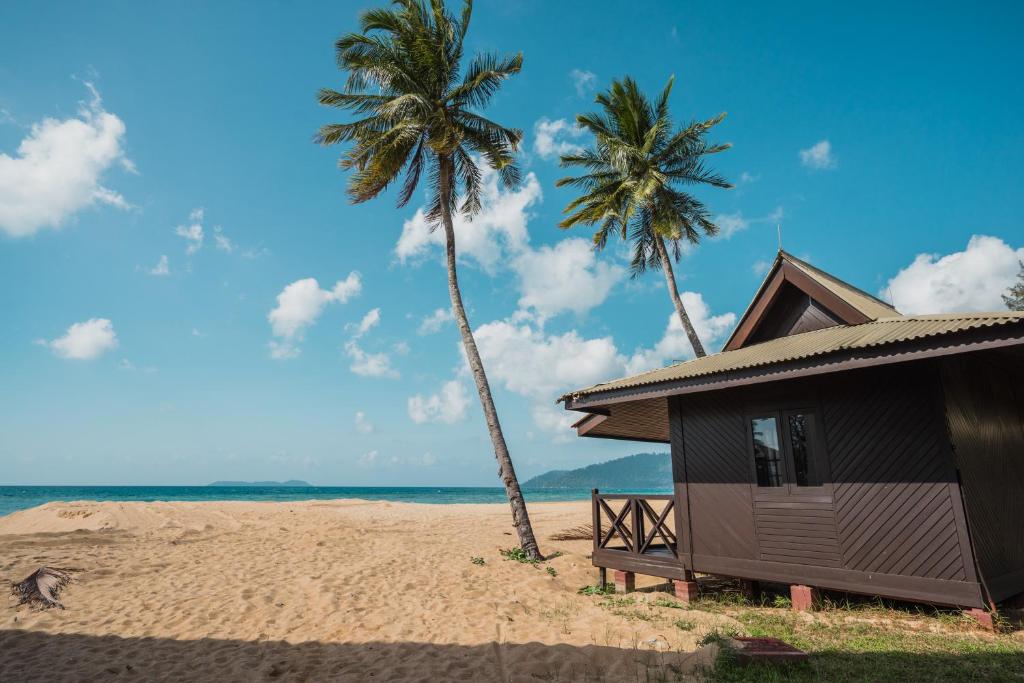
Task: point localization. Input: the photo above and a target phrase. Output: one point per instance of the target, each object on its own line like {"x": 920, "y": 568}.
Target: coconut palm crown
{"x": 417, "y": 111}
{"x": 634, "y": 180}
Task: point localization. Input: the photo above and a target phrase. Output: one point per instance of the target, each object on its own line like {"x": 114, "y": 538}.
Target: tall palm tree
{"x": 418, "y": 114}
{"x": 632, "y": 180}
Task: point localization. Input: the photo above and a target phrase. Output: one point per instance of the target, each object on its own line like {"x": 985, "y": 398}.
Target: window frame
{"x": 816, "y": 443}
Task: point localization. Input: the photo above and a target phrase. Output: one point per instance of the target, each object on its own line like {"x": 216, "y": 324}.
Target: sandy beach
{"x": 315, "y": 590}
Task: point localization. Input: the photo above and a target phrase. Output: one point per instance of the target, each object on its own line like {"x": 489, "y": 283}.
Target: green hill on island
{"x": 290, "y": 483}
{"x": 640, "y": 471}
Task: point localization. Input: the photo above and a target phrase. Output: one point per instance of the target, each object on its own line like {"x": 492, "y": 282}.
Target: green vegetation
{"x": 607, "y": 589}
{"x": 478, "y": 561}
{"x": 552, "y": 571}
{"x": 883, "y": 648}
{"x": 640, "y": 472}
{"x": 517, "y": 554}
{"x": 1014, "y": 296}
{"x": 684, "y": 624}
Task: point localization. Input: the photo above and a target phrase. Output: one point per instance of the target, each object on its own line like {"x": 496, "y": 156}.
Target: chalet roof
{"x": 882, "y": 332}
{"x": 872, "y": 307}
{"x": 849, "y": 304}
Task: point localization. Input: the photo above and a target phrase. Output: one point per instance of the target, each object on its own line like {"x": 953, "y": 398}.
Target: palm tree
{"x": 418, "y": 115}
{"x": 633, "y": 174}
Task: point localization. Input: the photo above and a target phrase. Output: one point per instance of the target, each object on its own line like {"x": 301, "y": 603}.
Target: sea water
{"x": 20, "y": 497}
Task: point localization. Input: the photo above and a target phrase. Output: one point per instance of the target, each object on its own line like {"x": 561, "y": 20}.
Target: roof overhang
{"x": 640, "y": 413}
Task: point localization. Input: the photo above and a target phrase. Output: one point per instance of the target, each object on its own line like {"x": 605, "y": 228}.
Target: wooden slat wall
{"x": 714, "y": 439}
{"x": 892, "y": 472}
{"x": 645, "y": 420}
{"x": 797, "y": 531}
{"x": 985, "y": 412}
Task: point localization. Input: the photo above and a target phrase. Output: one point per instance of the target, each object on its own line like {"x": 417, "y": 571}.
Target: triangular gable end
{"x": 797, "y": 297}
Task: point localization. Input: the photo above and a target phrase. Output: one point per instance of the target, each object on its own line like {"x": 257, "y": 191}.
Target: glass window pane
{"x": 767, "y": 457}
{"x": 804, "y": 470}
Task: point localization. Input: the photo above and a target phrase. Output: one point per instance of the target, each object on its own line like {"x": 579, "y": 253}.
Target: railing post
{"x": 638, "y": 526}
{"x": 597, "y": 518}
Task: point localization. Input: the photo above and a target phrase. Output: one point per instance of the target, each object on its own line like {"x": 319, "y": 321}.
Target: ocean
{"x": 20, "y": 497}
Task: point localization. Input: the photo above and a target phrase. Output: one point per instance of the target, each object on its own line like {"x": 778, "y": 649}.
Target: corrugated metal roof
{"x": 870, "y": 306}
{"x": 891, "y": 330}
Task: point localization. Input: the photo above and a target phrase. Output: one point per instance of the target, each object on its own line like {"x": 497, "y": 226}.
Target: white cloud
{"x": 531, "y": 363}
{"x": 583, "y": 81}
{"x": 448, "y": 405}
{"x": 368, "y": 459}
{"x": 760, "y": 267}
{"x": 57, "y": 169}
{"x": 501, "y": 223}
{"x": 299, "y": 305}
{"x": 540, "y": 366}
{"x": 369, "y": 321}
{"x": 369, "y": 364}
{"x": 84, "y": 341}
{"x": 435, "y": 321}
{"x": 555, "y": 138}
{"x": 364, "y": 363}
{"x": 161, "y": 268}
{"x": 192, "y": 232}
{"x": 818, "y": 156}
{"x": 971, "y": 280}
{"x": 363, "y": 425}
{"x": 746, "y": 178}
{"x": 730, "y": 223}
{"x": 428, "y": 460}
{"x": 222, "y": 241}
{"x": 674, "y": 345}
{"x": 565, "y": 277}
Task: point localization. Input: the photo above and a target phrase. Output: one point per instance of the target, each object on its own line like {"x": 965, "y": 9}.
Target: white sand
{"x": 340, "y": 590}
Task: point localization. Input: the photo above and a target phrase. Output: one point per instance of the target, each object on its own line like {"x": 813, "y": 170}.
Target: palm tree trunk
{"x": 506, "y": 471}
{"x": 673, "y": 290}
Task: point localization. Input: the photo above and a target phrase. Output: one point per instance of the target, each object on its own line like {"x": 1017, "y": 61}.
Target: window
{"x": 804, "y": 470}
{"x": 767, "y": 456}
{"x": 786, "y": 450}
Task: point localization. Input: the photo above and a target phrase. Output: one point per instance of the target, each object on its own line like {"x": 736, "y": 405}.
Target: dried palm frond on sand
{"x": 584, "y": 532}
{"x": 42, "y": 587}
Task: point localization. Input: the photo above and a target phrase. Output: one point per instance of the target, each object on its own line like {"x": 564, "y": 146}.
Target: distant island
{"x": 290, "y": 483}
{"x": 640, "y": 471}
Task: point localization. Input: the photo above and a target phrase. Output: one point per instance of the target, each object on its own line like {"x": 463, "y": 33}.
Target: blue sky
{"x": 885, "y": 140}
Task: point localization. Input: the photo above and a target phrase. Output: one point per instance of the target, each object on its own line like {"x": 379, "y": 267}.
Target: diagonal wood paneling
{"x": 985, "y": 412}
{"x": 716, "y": 462}
{"x": 891, "y": 471}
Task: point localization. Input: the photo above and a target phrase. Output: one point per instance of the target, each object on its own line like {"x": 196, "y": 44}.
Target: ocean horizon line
{"x": 14, "y": 497}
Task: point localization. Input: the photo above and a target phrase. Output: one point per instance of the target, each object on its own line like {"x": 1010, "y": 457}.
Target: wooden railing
{"x": 642, "y": 524}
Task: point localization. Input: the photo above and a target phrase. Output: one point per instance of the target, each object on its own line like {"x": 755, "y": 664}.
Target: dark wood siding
{"x": 985, "y": 412}
{"x": 720, "y": 506}
{"x": 893, "y": 478}
{"x": 888, "y": 520}
{"x": 792, "y": 312}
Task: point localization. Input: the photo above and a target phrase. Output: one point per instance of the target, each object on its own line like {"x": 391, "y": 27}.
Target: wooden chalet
{"x": 834, "y": 443}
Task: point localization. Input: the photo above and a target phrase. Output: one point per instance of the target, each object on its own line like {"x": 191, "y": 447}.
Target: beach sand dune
{"x": 318, "y": 590}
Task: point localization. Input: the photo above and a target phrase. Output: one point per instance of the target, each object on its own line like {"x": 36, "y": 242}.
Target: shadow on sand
{"x": 37, "y": 655}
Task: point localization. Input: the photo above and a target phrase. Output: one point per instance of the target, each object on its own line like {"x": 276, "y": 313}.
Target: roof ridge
{"x": 833, "y": 278}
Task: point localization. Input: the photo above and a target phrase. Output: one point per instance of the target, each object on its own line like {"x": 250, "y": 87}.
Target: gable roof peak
{"x": 848, "y": 304}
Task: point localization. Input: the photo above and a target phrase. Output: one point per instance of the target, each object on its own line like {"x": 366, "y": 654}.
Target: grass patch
{"x": 668, "y": 602}
{"x": 552, "y": 571}
{"x": 684, "y": 624}
{"x": 607, "y": 589}
{"x": 478, "y": 561}
{"x": 873, "y": 651}
{"x": 517, "y": 554}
